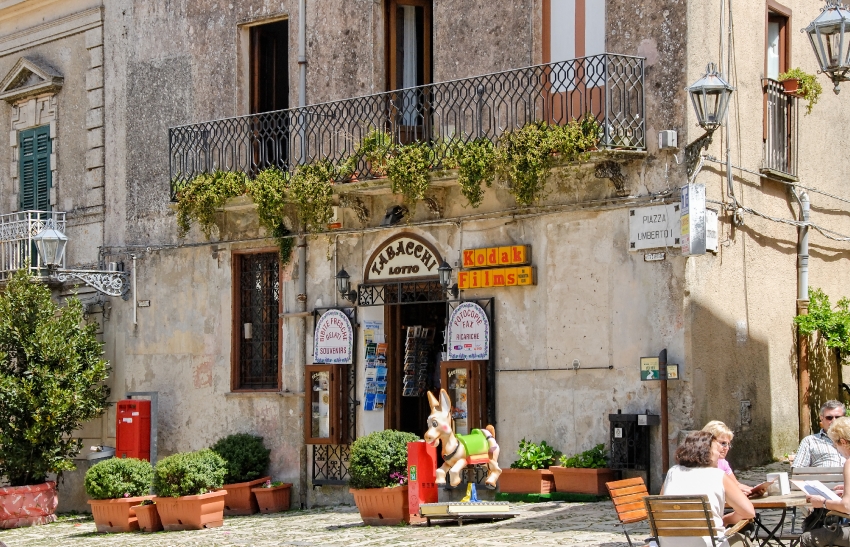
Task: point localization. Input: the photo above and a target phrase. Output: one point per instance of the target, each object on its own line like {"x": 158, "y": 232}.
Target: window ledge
{"x": 251, "y": 394}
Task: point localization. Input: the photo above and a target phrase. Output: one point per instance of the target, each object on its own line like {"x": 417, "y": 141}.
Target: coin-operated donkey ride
{"x": 460, "y": 451}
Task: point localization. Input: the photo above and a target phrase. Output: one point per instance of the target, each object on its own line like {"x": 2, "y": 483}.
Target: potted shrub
{"x": 51, "y": 381}
{"x": 247, "y": 460}
{"x": 148, "y": 516}
{"x": 803, "y": 85}
{"x": 273, "y": 497}
{"x": 115, "y": 486}
{"x": 584, "y": 473}
{"x": 378, "y": 469}
{"x": 187, "y": 486}
{"x": 530, "y": 474}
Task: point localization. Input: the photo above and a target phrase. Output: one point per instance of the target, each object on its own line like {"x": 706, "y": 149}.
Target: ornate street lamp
{"x": 343, "y": 285}
{"x": 710, "y": 96}
{"x": 829, "y": 35}
{"x": 50, "y": 244}
{"x": 445, "y": 272}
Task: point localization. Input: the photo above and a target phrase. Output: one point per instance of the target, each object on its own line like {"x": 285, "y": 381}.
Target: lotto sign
{"x": 333, "y": 341}
{"x": 468, "y": 333}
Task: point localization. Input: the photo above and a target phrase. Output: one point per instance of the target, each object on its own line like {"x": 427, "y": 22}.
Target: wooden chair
{"x": 685, "y": 516}
{"x": 627, "y": 496}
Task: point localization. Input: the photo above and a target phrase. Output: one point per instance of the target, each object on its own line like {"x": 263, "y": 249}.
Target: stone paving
{"x": 544, "y": 524}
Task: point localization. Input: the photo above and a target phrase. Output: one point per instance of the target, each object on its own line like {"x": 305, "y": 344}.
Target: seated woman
{"x": 834, "y": 534}
{"x": 697, "y": 474}
{"x": 724, "y": 436}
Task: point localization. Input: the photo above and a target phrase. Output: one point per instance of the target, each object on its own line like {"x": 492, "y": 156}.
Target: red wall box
{"x": 422, "y": 475}
{"x": 133, "y": 430}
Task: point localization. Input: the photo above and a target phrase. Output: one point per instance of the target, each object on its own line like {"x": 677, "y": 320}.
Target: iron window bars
{"x": 781, "y": 123}
{"x": 608, "y": 87}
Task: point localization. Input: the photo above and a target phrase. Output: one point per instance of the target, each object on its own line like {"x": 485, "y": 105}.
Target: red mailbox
{"x": 421, "y": 475}
{"x": 133, "y": 431}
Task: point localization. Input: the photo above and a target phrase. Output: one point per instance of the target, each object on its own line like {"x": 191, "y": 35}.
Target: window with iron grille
{"x": 35, "y": 149}
{"x": 256, "y": 325}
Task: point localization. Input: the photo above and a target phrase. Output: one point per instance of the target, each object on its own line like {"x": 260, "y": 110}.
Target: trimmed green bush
{"x": 189, "y": 474}
{"x": 119, "y": 478}
{"x": 377, "y": 456}
{"x": 246, "y": 456}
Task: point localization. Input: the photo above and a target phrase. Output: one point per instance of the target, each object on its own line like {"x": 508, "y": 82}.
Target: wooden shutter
{"x": 35, "y": 148}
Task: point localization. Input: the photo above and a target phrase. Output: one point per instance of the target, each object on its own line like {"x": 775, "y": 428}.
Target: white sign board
{"x": 693, "y": 219}
{"x": 469, "y": 332}
{"x": 654, "y": 227}
{"x": 403, "y": 257}
{"x": 333, "y": 341}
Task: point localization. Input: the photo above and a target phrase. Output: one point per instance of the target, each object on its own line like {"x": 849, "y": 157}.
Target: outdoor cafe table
{"x": 783, "y": 503}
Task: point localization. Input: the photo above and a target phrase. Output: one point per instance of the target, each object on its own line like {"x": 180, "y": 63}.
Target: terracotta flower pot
{"x": 239, "y": 500}
{"x": 792, "y": 87}
{"x": 526, "y": 481}
{"x": 274, "y": 499}
{"x": 382, "y": 506}
{"x": 28, "y": 505}
{"x": 582, "y": 481}
{"x": 192, "y": 512}
{"x": 148, "y": 518}
{"x": 116, "y": 515}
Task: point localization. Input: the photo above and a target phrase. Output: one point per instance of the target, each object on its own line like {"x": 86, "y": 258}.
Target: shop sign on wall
{"x": 401, "y": 257}
{"x": 654, "y": 227}
{"x": 513, "y": 255}
{"x": 500, "y": 277}
{"x": 333, "y": 341}
{"x": 468, "y": 333}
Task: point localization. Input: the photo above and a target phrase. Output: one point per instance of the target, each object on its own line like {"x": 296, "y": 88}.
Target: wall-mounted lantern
{"x": 445, "y": 272}
{"x": 710, "y": 96}
{"x": 828, "y": 34}
{"x": 343, "y": 286}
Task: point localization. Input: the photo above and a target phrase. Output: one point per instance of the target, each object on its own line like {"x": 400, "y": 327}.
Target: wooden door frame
{"x": 390, "y": 31}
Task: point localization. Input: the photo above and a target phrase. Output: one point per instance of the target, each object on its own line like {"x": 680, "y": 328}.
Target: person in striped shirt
{"x": 818, "y": 450}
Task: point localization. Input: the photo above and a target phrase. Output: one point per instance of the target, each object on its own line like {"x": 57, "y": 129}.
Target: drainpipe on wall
{"x": 803, "y": 309}
{"x": 301, "y": 242}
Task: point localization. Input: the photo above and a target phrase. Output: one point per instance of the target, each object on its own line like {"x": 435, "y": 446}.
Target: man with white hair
{"x": 817, "y": 449}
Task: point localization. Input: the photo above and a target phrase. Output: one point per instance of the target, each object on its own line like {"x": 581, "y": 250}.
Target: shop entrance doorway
{"x": 415, "y": 334}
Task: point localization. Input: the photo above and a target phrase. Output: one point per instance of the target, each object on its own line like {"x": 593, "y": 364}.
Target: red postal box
{"x": 421, "y": 475}
{"x": 133, "y": 431}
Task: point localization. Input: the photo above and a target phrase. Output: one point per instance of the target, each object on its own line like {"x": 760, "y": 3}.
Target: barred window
{"x": 256, "y": 325}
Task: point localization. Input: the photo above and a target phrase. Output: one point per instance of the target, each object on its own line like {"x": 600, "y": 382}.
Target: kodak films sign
{"x": 482, "y": 275}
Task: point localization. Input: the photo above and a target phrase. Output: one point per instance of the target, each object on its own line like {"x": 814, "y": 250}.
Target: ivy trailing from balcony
{"x": 269, "y": 191}
{"x": 475, "y": 162}
{"x": 198, "y": 199}
{"x": 409, "y": 171}
{"x": 311, "y": 191}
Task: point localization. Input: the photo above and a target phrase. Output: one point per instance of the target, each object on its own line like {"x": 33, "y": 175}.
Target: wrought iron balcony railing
{"x": 608, "y": 87}
{"x": 16, "y": 244}
{"x": 780, "y": 130}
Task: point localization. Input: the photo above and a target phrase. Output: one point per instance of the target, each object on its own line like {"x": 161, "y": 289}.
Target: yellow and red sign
{"x": 498, "y": 277}
{"x": 514, "y": 255}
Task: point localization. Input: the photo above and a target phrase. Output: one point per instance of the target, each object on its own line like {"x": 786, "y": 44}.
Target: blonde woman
{"x": 836, "y": 535}
{"x": 723, "y": 435}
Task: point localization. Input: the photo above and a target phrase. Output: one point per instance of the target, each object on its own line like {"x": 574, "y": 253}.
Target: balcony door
{"x": 409, "y": 36}
{"x": 269, "y": 92}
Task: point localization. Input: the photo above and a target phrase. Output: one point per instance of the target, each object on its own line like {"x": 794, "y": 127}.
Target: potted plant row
{"x": 115, "y": 486}
{"x": 247, "y": 461}
{"x": 584, "y": 473}
{"x": 530, "y": 473}
{"x": 273, "y": 497}
{"x": 378, "y": 471}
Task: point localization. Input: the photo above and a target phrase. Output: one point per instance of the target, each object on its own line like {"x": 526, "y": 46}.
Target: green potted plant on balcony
{"x": 530, "y": 473}
{"x": 378, "y": 469}
{"x": 803, "y": 85}
{"x": 115, "y": 486}
{"x": 51, "y": 383}
{"x": 247, "y": 461}
{"x": 188, "y": 488}
{"x": 584, "y": 473}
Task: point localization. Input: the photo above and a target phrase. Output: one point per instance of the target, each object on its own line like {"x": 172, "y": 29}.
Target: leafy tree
{"x": 832, "y": 324}
{"x": 51, "y": 369}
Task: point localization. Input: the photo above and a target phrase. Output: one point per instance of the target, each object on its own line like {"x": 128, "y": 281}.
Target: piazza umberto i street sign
{"x": 403, "y": 256}
{"x": 655, "y": 227}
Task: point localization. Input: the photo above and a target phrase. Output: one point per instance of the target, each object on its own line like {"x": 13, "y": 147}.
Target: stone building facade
{"x": 108, "y": 80}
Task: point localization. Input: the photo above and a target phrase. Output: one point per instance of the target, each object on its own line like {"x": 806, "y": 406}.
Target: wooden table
{"x": 783, "y": 503}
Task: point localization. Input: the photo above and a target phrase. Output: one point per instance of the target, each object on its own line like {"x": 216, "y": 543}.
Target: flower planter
{"x": 792, "y": 87}
{"x": 274, "y": 499}
{"x": 116, "y": 515}
{"x": 582, "y": 481}
{"x": 382, "y": 506}
{"x": 239, "y": 500}
{"x": 28, "y": 505}
{"x": 148, "y": 518}
{"x": 526, "y": 481}
{"x": 192, "y": 512}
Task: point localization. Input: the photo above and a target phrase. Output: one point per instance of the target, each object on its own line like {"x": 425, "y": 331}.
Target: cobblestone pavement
{"x": 551, "y": 523}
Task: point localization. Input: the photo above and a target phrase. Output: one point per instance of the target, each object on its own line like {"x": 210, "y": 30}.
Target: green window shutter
{"x": 35, "y": 148}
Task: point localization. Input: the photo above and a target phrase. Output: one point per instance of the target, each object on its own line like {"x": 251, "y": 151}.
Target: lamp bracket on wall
{"x": 108, "y": 283}
{"x": 694, "y": 150}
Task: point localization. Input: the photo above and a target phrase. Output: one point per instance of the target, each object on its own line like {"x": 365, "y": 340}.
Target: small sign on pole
{"x": 649, "y": 368}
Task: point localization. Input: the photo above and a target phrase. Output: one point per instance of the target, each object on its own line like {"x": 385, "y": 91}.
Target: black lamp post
{"x": 710, "y": 96}
{"x": 828, "y": 34}
{"x": 343, "y": 285}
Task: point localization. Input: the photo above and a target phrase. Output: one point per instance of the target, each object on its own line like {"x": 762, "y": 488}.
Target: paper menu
{"x": 816, "y": 488}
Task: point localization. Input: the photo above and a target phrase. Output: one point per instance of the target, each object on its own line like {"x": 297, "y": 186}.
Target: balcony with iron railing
{"x": 780, "y": 132}
{"x": 610, "y": 88}
{"x": 17, "y": 247}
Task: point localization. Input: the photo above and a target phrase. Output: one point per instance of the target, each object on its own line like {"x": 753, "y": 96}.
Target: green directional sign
{"x": 649, "y": 369}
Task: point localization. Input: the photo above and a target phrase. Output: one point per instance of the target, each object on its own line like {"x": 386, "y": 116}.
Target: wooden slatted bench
{"x": 627, "y": 496}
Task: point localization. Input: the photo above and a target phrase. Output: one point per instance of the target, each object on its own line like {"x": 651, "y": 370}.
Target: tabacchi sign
{"x": 469, "y": 332}
{"x": 333, "y": 341}
{"x": 401, "y": 257}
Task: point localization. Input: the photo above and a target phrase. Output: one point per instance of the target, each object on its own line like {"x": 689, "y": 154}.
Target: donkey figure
{"x": 459, "y": 451}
